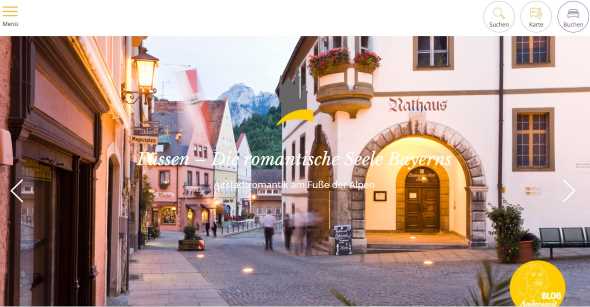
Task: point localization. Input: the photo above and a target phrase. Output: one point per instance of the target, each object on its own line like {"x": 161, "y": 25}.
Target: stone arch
{"x": 457, "y": 144}
{"x": 400, "y": 199}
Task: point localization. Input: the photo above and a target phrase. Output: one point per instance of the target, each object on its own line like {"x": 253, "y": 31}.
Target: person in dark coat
{"x": 207, "y": 226}
{"x": 214, "y": 228}
{"x": 288, "y": 230}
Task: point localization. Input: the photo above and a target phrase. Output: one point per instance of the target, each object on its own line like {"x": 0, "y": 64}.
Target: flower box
{"x": 366, "y": 62}
{"x": 332, "y": 61}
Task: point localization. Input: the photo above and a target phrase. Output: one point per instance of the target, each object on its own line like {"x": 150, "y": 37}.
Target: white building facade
{"x": 244, "y": 173}
{"x": 473, "y": 120}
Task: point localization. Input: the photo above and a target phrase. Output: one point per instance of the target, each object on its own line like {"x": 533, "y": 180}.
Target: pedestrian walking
{"x": 288, "y": 231}
{"x": 309, "y": 235}
{"x": 214, "y": 228}
{"x": 299, "y": 226}
{"x": 268, "y": 222}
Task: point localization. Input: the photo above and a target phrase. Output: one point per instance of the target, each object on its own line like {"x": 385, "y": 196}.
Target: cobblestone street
{"x": 372, "y": 279}
{"x": 161, "y": 276}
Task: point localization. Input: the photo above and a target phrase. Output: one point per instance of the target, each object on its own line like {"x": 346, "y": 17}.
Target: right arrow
{"x": 571, "y": 193}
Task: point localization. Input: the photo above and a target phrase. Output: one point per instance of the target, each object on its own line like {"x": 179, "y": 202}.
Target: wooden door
{"x": 422, "y": 201}
{"x": 413, "y": 209}
{"x": 66, "y": 281}
{"x": 429, "y": 209}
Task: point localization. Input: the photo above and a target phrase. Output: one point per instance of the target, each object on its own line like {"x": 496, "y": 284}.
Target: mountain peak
{"x": 244, "y": 102}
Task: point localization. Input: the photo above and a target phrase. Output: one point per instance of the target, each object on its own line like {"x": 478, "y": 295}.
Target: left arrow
{"x": 14, "y": 188}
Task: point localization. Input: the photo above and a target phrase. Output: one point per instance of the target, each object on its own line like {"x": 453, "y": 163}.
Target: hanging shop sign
{"x": 148, "y": 140}
{"x": 417, "y": 105}
{"x": 147, "y": 133}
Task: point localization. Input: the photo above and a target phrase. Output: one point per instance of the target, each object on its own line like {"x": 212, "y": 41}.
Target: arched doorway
{"x": 320, "y": 182}
{"x": 470, "y": 162}
{"x": 422, "y": 199}
{"x": 204, "y": 215}
{"x": 190, "y": 213}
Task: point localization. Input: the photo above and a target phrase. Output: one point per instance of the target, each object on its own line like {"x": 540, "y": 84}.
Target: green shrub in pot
{"x": 189, "y": 232}
{"x": 507, "y": 230}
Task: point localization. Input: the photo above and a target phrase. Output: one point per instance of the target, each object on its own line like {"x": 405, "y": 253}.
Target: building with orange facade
{"x": 65, "y": 127}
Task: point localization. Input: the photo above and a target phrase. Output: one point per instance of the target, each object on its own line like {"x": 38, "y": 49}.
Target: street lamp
{"x": 145, "y": 66}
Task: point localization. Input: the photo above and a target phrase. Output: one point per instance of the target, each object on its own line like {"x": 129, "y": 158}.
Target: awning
{"x": 208, "y": 206}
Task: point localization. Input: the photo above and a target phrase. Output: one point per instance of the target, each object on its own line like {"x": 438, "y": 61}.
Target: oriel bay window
{"x": 337, "y": 42}
{"x": 433, "y": 52}
{"x": 364, "y": 44}
{"x": 533, "y": 140}
{"x": 326, "y": 43}
{"x": 533, "y": 51}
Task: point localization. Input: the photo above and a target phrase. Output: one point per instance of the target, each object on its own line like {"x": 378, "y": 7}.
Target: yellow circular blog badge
{"x": 537, "y": 283}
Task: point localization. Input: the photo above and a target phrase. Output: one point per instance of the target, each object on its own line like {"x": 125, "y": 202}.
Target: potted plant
{"x": 507, "y": 223}
{"x": 329, "y": 62}
{"x": 528, "y": 246}
{"x": 367, "y": 61}
{"x": 192, "y": 241}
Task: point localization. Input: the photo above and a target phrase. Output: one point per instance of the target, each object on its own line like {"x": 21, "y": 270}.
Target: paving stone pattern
{"x": 280, "y": 278}
{"x": 162, "y": 276}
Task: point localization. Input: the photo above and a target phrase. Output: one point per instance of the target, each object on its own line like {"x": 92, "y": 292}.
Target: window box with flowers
{"x": 366, "y": 62}
{"x": 332, "y": 61}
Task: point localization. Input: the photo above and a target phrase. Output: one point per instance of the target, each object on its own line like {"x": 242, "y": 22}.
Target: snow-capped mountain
{"x": 244, "y": 102}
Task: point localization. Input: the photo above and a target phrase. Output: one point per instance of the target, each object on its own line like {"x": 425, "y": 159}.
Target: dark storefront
{"x": 51, "y": 239}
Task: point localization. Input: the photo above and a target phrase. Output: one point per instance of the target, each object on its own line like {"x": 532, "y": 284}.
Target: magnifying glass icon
{"x": 499, "y": 13}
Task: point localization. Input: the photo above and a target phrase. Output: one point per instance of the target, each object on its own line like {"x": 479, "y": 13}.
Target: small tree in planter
{"x": 367, "y": 61}
{"x": 507, "y": 223}
{"x": 192, "y": 241}
{"x": 329, "y": 62}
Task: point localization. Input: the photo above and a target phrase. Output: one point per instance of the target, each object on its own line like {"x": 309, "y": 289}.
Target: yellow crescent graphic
{"x": 303, "y": 114}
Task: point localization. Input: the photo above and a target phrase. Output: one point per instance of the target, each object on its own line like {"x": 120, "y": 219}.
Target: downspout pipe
{"x": 500, "y": 120}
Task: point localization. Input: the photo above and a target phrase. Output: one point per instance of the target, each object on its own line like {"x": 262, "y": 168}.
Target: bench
{"x": 563, "y": 238}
